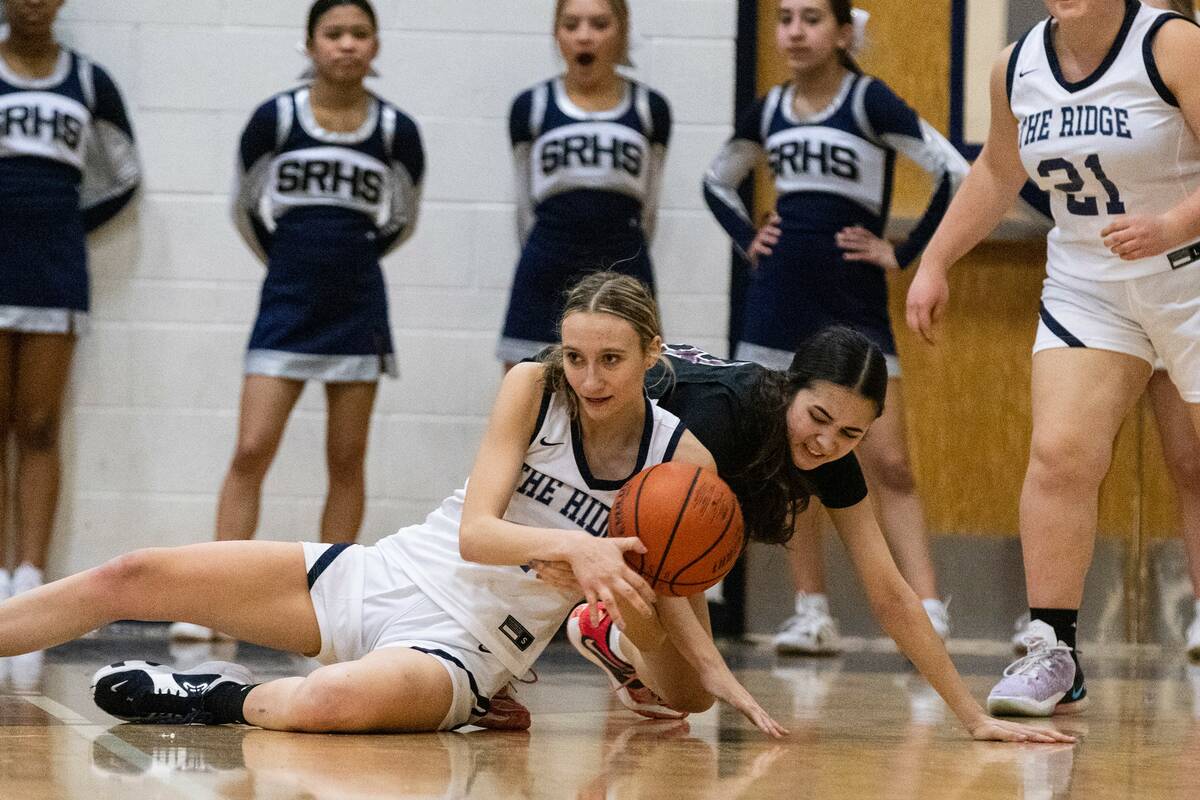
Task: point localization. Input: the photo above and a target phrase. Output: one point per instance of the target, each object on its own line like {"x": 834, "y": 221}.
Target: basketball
{"x": 688, "y": 519}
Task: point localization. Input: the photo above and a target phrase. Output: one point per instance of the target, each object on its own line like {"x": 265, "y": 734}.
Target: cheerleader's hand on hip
{"x": 859, "y": 244}
{"x": 765, "y": 240}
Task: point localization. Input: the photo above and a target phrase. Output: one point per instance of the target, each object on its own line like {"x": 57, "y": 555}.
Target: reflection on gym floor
{"x": 863, "y": 725}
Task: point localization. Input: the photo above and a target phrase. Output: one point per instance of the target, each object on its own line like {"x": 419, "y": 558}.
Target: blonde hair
{"x": 622, "y": 296}
{"x": 620, "y": 11}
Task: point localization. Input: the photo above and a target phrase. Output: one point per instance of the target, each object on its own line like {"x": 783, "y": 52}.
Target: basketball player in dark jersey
{"x": 780, "y": 438}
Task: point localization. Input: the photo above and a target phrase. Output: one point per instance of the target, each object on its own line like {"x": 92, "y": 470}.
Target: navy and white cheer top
{"x": 321, "y": 208}
{"x": 67, "y": 165}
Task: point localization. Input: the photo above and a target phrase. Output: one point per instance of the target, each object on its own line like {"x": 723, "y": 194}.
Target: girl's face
{"x": 589, "y": 37}
{"x": 808, "y": 34}
{"x": 825, "y": 422}
{"x": 605, "y": 363}
{"x": 343, "y": 44}
{"x": 32, "y": 17}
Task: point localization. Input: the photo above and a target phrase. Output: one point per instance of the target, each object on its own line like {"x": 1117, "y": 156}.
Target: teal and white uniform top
{"x": 513, "y": 614}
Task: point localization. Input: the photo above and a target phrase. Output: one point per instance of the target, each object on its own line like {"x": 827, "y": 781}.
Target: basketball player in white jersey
{"x": 1099, "y": 105}
{"x": 1180, "y": 442}
{"x": 421, "y": 630}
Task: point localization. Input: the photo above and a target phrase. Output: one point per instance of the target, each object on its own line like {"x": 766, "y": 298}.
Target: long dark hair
{"x": 771, "y": 488}
{"x": 319, "y": 8}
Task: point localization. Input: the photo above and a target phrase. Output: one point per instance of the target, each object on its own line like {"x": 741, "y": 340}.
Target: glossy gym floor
{"x": 863, "y": 725}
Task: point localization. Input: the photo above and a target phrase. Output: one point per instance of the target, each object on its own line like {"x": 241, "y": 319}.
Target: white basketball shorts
{"x": 364, "y": 604}
{"x": 1153, "y": 317}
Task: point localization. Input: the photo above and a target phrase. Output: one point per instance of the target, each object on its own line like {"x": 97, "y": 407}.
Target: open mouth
{"x": 585, "y": 59}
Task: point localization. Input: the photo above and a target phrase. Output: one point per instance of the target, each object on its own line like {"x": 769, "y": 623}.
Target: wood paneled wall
{"x": 968, "y": 398}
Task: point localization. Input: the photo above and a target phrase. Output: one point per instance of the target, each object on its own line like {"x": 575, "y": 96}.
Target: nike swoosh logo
{"x": 117, "y": 686}
{"x": 545, "y": 443}
{"x": 1026, "y": 72}
{"x": 1077, "y": 692}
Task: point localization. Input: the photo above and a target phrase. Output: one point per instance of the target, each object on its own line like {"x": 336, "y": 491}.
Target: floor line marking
{"x": 95, "y": 734}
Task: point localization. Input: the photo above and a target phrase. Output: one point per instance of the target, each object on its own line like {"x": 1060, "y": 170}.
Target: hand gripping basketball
{"x": 689, "y": 521}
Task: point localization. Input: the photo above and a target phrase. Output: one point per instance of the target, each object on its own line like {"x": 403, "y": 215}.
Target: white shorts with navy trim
{"x": 364, "y": 604}
{"x": 1153, "y": 317}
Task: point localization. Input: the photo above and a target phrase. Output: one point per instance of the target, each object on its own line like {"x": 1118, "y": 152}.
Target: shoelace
{"x": 1034, "y": 660}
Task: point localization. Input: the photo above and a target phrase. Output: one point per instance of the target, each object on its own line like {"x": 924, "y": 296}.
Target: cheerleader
{"x": 67, "y": 165}
{"x": 830, "y": 136}
{"x": 588, "y": 147}
{"x": 329, "y": 182}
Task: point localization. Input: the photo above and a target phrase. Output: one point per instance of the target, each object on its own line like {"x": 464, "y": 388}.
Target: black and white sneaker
{"x": 142, "y": 691}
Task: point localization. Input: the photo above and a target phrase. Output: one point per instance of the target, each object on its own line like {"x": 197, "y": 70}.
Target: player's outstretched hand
{"x": 990, "y": 729}
{"x": 725, "y": 686}
{"x": 765, "y": 240}
{"x": 1134, "y": 236}
{"x": 859, "y": 244}
{"x": 928, "y": 297}
{"x": 599, "y": 566}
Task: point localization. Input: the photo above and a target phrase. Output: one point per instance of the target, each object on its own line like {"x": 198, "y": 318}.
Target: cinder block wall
{"x": 153, "y": 400}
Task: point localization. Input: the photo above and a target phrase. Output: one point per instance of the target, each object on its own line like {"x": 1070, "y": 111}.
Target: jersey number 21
{"x": 1085, "y": 206}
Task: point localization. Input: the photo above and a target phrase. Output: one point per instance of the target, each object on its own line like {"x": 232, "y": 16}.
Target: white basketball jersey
{"x": 1113, "y": 143}
{"x": 512, "y": 613}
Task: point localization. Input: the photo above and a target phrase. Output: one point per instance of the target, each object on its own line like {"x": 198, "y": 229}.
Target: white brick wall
{"x": 153, "y": 399}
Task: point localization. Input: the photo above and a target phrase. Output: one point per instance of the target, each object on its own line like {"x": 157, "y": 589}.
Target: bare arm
{"x": 986, "y": 194}
{"x": 684, "y": 620}
{"x": 487, "y": 538}
{"x": 902, "y": 617}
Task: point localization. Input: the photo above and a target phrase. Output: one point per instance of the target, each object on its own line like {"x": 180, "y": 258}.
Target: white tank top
{"x": 1113, "y": 143}
{"x": 512, "y": 613}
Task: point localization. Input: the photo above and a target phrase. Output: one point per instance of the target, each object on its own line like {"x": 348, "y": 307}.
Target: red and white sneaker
{"x": 505, "y": 713}
{"x": 592, "y": 643}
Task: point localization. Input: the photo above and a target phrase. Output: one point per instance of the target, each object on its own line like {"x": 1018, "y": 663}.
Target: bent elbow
{"x": 468, "y": 547}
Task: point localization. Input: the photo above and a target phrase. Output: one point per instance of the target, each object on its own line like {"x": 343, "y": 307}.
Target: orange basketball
{"x": 690, "y": 522}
